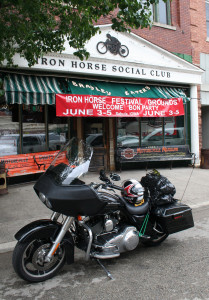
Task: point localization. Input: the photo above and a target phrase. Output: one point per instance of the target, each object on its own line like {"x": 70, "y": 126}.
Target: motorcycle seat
{"x": 137, "y": 210}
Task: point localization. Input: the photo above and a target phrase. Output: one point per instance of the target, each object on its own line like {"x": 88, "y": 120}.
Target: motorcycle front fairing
{"x": 60, "y": 188}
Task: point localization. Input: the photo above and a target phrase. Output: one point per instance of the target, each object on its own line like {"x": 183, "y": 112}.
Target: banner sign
{"x": 153, "y": 153}
{"x": 73, "y": 105}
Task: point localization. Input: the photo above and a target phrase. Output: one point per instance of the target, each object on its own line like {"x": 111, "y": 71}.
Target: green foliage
{"x": 34, "y": 27}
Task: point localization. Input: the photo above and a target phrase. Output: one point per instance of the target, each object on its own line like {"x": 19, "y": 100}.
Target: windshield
{"x": 72, "y": 162}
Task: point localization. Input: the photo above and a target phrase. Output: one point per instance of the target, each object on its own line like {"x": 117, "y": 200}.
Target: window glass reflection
{"x": 128, "y": 132}
{"x": 9, "y": 129}
{"x": 174, "y": 131}
{"x": 151, "y": 132}
{"x": 162, "y": 12}
{"x": 94, "y": 132}
{"x": 58, "y": 129}
{"x": 33, "y": 129}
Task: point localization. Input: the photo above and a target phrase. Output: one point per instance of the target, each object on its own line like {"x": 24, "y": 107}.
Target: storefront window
{"x": 153, "y": 132}
{"x": 58, "y": 129}
{"x": 128, "y": 132}
{"x": 174, "y": 131}
{"x": 33, "y": 129}
{"x": 33, "y": 123}
{"x": 9, "y": 129}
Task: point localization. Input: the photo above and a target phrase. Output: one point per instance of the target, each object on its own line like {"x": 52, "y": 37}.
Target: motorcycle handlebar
{"x": 107, "y": 181}
{"x": 116, "y": 187}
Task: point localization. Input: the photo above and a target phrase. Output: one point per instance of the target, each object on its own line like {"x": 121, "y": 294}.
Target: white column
{"x": 194, "y": 123}
{"x": 111, "y": 144}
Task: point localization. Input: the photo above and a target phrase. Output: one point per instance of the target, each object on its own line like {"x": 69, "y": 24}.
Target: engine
{"x": 111, "y": 236}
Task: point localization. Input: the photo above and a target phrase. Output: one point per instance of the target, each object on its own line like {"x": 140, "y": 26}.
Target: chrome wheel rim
{"x": 33, "y": 259}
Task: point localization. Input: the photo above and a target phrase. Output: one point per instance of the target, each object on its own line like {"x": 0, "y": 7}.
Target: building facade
{"x": 199, "y": 11}
{"x": 124, "y": 74}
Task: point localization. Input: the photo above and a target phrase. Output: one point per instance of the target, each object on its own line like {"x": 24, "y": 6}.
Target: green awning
{"x": 90, "y": 87}
{"x": 23, "y": 89}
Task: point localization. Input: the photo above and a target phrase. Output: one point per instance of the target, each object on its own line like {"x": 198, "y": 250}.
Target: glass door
{"x": 95, "y": 135}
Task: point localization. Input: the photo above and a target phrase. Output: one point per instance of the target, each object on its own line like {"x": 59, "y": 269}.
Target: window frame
{"x": 156, "y": 14}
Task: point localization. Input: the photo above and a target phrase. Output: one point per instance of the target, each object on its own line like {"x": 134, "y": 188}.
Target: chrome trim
{"x": 87, "y": 256}
{"x": 64, "y": 229}
{"x": 55, "y": 216}
{"x": 106, "y": 256}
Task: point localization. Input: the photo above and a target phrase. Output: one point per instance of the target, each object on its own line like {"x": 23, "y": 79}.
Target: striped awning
{"x": 171, "y": 92}
{"x": 39, "y": 90}
{"x": 102, "y": 88}
{"x": 36, "y": 90}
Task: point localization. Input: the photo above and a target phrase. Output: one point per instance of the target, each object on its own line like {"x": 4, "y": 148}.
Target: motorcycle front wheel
{"x": 28, "y": 260}
{"x": 157, "y": 235}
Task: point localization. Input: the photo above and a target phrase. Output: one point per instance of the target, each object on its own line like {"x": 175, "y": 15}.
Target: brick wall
{"x": 198, "y": 29}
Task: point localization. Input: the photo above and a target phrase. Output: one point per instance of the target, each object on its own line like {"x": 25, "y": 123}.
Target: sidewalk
{"x": 22, "y": 206}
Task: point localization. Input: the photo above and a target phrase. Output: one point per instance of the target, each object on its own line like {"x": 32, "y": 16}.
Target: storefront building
{"x": 200, "y": 56}
{"x": 131, "y": 98}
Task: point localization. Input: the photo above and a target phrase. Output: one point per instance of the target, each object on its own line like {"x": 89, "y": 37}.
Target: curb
{"x": 199, "y": 205}
{"x": 7, "y": 247}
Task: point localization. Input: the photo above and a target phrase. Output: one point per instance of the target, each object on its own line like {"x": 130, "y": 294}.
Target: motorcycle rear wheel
{"x": 157, "y": 236}
{"x": 28, "y": 260}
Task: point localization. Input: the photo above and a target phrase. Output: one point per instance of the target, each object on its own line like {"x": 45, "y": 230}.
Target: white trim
{"x": 103, "y": 26}
{"x": 164, "y": 26}
{"x": 204, "y": 87}
{"x": 194, "y": 123}
{"x": 146, "y": 61}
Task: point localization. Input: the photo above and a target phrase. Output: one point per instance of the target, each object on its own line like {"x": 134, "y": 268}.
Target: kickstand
{"x": 105, "y": 269}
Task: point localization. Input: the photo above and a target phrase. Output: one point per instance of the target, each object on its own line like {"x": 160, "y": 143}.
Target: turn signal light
{"x": 80, "y": 218}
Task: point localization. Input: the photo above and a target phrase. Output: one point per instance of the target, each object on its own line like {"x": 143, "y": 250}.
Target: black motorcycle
{"x": 102, "y": 219}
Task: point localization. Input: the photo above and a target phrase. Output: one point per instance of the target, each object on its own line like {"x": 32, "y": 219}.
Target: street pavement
{"x": 21, "y": 205}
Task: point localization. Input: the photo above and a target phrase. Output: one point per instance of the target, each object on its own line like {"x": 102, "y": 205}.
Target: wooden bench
{"x": 31, "y": 163}
{"x": 154, "y": 154}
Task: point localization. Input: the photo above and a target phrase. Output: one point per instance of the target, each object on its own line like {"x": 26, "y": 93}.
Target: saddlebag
{"x": 174, "y": 217}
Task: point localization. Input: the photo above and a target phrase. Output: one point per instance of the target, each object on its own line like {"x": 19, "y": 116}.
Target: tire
{"x": 123, "y": 51}
{"x": 28, "y": 259}
{"x": 158, "y": 235}
{"x": 101, "y": 48}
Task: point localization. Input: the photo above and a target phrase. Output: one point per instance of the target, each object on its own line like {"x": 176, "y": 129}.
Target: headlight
{"x": 48, "y": 204}
{"x": 45, "y": 200}
{"x": 42, "y": 197}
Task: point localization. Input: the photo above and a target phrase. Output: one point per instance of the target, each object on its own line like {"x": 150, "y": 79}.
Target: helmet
{"x": 133, "y": 192}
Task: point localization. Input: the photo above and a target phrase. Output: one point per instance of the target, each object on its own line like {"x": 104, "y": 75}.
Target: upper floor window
{"x": 161, "y": 12}
{"x": 207, "y": 16}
